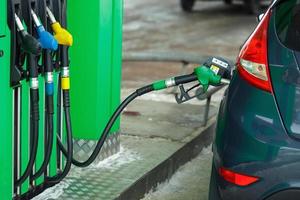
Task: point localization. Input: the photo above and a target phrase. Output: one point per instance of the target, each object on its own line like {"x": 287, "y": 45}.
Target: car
{"x": 252, "y": 6}
{"x": 256, "y": 149}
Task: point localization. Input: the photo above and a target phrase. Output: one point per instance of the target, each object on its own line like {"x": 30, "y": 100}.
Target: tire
{"x": 253, "y": 6}
{"x": 187, "y": 5}
{"x": 228, "y": 2}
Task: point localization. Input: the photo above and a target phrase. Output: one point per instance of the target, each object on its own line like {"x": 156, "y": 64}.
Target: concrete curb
{"x": 167, "y": 168}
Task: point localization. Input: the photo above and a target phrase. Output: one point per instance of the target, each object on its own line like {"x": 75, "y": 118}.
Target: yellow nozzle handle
{"x": 62, "y": 36}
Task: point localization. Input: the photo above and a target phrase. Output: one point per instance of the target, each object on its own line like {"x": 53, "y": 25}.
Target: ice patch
{"x": 54, "y": 192}
{"x": 123, "y": 157}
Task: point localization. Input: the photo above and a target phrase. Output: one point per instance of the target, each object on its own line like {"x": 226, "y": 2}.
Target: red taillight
{"x": 252, "y": 62}
{"x": 237, "y": 179}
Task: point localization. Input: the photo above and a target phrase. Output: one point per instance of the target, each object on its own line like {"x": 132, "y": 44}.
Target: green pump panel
{"x": 6, "y": 118}
{"x": 95, "y": 67}
{"x": 6, "y": 142}
{"x": 2, "y": 18}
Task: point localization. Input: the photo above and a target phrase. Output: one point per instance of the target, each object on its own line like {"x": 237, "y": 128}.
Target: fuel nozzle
{"x": 215, "y": 71}
{"x": 61, "y": 35}
{"x": 28, "y": 42}
{"x": 46, "y": 39}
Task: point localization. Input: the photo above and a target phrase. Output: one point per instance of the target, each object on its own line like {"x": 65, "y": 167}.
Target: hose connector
{"x": 49, "y": 85}
{"x": 34, "y": 83}
{"x": 65, "y": 78}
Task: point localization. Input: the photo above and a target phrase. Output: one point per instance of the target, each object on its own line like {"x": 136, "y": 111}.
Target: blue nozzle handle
{"x": 46, "y": 39}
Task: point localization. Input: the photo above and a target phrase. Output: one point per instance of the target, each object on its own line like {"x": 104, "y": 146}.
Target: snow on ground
{"x": 190, "y": 182}
{"x": 123, "y": 157}
{"x": 54, "y": 192}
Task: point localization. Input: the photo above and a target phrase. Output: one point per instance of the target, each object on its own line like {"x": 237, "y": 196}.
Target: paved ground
{"x": 189, "y": 182}
{"x": 147, "y": 139}
{"x": 212, "y": 29}
{"x": 160, "y": 26}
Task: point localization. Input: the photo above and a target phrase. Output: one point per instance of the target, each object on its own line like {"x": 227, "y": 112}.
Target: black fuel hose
{"x": 34, "y": 118}
{"x": 49, "y": 108}
{"x": 107, "y": 129}
{"x": 114, "y": 117}
{"x": 49, "y": 147}
{"x": 59, "y": 177}
{"x": 49, "y": 135}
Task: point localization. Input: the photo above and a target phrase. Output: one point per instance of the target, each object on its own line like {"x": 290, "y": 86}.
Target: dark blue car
{"x": 257, "y": 143}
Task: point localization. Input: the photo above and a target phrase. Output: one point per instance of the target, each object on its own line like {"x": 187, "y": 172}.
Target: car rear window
{"x": 287, "y": 22}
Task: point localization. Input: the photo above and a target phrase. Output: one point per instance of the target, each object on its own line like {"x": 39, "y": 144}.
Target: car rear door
{"x": 284, "y": 62}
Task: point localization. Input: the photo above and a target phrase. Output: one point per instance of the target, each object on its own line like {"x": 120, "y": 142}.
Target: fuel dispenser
{"x": 35, "y": 119}
{"x": 33, "y": 72}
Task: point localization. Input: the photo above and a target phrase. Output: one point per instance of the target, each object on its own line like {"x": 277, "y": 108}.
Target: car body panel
{"x": 257, "y": 131}
{"x": 254, "y": 143}
{"x": 285, "y": 75}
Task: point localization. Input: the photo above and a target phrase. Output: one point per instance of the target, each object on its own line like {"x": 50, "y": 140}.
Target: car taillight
{"x": 252, "y": 62}
{"x": 236, "y": 178}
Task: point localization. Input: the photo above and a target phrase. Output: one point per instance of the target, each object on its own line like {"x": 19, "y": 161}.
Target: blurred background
{"x": 211, "y": 28}
{"x": 182, "y": 27}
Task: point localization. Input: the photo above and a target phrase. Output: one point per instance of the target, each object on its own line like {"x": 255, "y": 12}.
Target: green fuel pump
{"x": 48, "y": 43}
{"x": 216, "y": 71}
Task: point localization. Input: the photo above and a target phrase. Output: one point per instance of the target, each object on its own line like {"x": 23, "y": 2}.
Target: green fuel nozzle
{"x": 215, "y": 71}
{"x": 202, "y": 74}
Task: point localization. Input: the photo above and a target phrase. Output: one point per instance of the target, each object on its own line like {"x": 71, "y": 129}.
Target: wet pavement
{"x": 148, "y": 139}
{"x": 160, "y": 26}
{"x": 211, "y": 29}
{"x": 189, "y": 182}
